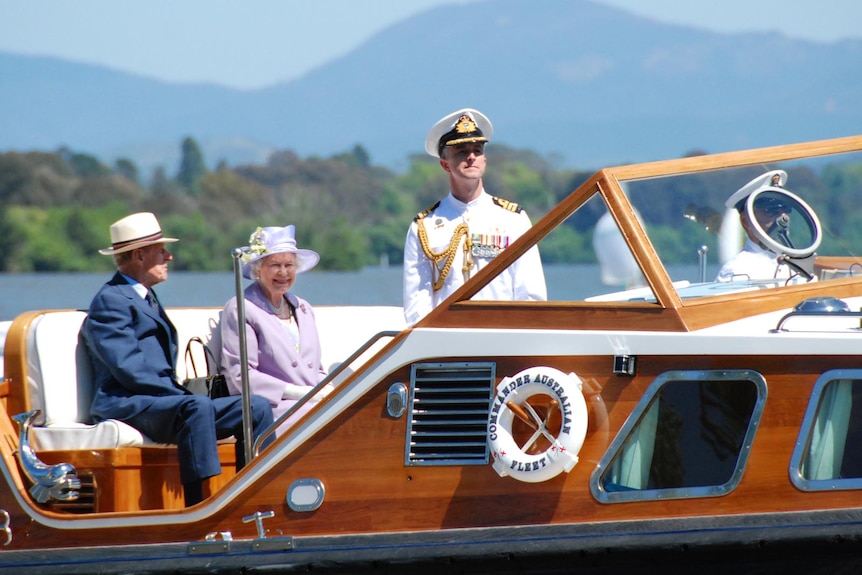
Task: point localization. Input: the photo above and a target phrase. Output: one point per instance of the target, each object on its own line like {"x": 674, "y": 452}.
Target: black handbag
{"x": 213, "y": 385}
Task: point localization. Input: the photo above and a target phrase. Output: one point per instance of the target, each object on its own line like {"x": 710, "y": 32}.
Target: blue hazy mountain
{"x": 589, "y": 84}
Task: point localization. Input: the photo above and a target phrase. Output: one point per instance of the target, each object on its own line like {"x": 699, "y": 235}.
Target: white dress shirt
{"x": 753, "y": 263}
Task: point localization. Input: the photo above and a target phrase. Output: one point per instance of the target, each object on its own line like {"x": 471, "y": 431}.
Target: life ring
{"x": 510, "y": 402}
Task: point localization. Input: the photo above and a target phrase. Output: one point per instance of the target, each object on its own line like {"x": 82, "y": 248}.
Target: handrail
{"x": 830, "y": 314}
{"x": 247, "y": 423}
{"x": 307, "y": 397}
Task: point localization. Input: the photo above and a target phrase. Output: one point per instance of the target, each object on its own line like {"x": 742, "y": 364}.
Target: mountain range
{"x": 582, "y": 83}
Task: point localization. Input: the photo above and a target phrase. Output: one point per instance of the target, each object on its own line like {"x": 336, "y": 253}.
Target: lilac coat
{"x": 272, "y": 359}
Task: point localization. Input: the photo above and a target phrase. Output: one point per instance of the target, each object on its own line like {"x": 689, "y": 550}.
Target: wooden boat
{"x": 679, "y": 422}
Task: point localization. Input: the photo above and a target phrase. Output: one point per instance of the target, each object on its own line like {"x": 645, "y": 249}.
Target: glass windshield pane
{"x": 700, "y": 234}
{"x": 804, "y": 220}
{"x": 587, "y": 256}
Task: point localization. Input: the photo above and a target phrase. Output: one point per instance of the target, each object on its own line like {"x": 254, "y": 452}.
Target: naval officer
{"x": 453, "y": 239}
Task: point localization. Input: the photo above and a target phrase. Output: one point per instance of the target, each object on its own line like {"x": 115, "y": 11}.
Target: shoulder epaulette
{"x": 426, "y": 211}
{"x": 507, "y": 205}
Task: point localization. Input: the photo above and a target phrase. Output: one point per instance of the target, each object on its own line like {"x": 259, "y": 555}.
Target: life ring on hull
{"x": 511, "y": 402}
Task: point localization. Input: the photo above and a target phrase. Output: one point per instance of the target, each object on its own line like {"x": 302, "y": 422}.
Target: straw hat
{"x": 465, "y": 125}
{"x": 133, "y": 232}
{"x": 274, "y": 240}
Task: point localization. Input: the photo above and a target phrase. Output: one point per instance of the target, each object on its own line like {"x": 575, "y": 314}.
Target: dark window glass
{"x": 689, "y": 441}
{"x": 829, "y": 454}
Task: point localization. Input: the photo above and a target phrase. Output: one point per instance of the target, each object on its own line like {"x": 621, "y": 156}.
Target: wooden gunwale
{"x": 697, "y": 313}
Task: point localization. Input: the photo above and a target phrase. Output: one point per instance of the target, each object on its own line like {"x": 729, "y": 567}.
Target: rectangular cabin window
{"x": 689, "y": 438}
{"x": 828, "y": 453}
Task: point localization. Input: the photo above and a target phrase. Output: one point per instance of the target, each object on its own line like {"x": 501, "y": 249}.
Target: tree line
{"x": 56, "y": 207}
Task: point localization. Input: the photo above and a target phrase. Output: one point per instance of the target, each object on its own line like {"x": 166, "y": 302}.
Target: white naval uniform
{"x": 488, "y": 223}
{"x": 753, "y": 263}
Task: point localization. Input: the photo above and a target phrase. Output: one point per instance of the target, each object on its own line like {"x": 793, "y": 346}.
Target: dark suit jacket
{"x": 132, "y": 349}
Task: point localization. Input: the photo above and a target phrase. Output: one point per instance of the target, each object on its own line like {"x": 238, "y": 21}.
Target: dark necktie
{"x": 151, "y": 298}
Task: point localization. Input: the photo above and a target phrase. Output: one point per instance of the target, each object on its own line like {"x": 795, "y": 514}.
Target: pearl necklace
{"x": 277, "y": 310}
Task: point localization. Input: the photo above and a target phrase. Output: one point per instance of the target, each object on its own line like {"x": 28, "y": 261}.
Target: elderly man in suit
{"x": 133, "y": 346}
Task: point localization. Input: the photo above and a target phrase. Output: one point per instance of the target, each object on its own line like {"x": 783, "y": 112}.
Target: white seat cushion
{"x": 104, "y": 435}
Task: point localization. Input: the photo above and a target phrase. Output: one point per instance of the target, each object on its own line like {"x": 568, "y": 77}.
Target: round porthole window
{"x": 306, "y": 494}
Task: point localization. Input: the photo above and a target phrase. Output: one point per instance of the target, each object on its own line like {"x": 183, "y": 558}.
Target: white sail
{"x": 618, "y": 265}
{"x": 730, "y": 236}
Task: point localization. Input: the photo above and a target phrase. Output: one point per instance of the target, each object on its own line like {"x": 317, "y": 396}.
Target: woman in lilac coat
{"x": 281, "y": 336}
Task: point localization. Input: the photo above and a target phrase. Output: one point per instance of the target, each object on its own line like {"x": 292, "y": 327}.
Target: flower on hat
{"x": 256, "y": 246}
{"x": 275, "y": 240}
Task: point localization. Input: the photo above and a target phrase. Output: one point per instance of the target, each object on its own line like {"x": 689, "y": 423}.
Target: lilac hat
{"x": 274, "y": 240}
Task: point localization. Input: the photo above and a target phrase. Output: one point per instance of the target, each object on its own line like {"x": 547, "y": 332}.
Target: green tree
{"x": 423, "y": 184}
{"x": 10, "y": 241}
{"x": 192, "y": 167}
{"x": 565, "y": 245}
{"x": 342, "y": 246}
{"x": 227, "y": 196}
{"x": 35, "y": 179}
{"x": 56, "y": 208}
{"x": 357, "y": 157}
{"x": 127, "y": 169}
{"x": 167, "y": 196}
{"x": 84, "y": 165}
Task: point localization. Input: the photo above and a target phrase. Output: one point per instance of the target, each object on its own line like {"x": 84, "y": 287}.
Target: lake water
{"x": 370, "y": 286}
{"x": 20, "y": 292}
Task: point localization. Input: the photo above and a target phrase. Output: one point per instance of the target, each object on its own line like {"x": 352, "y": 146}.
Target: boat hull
{"x": 770, "y": 543}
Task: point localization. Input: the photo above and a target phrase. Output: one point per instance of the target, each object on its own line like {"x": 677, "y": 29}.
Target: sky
{"x": 250, "y": 44}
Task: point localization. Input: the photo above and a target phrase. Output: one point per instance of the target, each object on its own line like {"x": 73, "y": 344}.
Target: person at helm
{"x": 756, "y": 261}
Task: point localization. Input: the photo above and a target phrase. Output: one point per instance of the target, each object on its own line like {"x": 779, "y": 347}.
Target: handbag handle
{"x": 209, "y": 357}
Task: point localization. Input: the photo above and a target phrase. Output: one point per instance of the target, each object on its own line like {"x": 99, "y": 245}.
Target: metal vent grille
{"x": 449, "y": 405}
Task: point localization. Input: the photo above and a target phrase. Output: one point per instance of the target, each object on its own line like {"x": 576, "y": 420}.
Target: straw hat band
{"x": 149, "y": 239}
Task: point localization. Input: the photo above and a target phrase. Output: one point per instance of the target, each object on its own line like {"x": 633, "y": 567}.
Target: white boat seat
{"x": 59, "y": 380}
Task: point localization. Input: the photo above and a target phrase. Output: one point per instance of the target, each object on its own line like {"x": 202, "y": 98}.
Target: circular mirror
{"x": 783, "y": 222}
